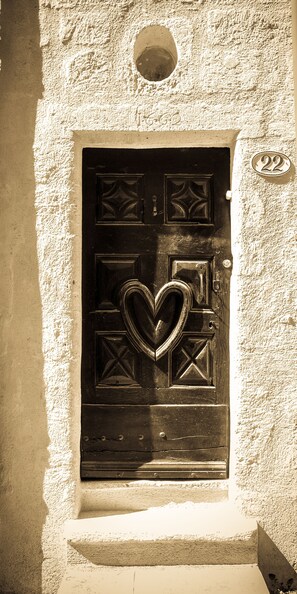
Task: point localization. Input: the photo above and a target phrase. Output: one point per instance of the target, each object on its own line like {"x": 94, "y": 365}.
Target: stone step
{"x": 174, "y": 534}
{"x": 203, "y": 579}
{"x": 140, "y": 494}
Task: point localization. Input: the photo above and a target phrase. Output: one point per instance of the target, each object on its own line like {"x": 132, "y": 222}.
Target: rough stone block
{"x": 88, "y": 67}
{"x": 84, "y": 29}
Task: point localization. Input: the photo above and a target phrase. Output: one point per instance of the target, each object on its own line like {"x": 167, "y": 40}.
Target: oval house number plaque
{"x": 270, "y": 163}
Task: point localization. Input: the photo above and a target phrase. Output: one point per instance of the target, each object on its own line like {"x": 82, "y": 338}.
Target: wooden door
{"x": 156, "y": 251}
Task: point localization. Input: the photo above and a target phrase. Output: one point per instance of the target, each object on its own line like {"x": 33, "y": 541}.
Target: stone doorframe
{"x": 134, "y": 139}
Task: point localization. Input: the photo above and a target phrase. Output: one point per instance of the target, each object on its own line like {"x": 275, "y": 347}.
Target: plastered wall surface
{"x": 69, "y": 80}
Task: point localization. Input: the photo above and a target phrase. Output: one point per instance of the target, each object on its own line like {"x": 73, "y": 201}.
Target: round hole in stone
{"x": 155, "y": 53}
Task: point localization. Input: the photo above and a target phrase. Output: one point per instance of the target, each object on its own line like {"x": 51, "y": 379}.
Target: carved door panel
{"x": 155, "y": 313}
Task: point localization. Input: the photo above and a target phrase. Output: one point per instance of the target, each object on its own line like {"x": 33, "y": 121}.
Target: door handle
{"x": 155, "y": 209}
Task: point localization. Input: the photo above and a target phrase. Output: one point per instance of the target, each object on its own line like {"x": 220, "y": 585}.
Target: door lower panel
{"x": 155, "y": 441}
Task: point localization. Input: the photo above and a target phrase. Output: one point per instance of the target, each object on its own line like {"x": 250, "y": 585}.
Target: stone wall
{"x": 69, "y": 80}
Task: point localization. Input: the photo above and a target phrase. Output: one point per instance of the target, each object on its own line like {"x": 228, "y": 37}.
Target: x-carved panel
{"x": 116, "y": 361}
{"x": 192, "y": 362}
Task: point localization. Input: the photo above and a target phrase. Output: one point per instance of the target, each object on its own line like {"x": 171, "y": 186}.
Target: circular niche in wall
{"x": 155, "y": 53}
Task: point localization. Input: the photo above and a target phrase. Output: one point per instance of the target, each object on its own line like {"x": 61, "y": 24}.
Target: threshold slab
{"x": 140, "y": 494}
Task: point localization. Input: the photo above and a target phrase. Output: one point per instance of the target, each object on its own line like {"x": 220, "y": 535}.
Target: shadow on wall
{"x": 275, "y": 568}
{"x": 23, "y": 426}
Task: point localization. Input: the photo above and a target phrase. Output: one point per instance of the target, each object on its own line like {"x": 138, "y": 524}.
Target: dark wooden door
{"x": 156, "y": 238}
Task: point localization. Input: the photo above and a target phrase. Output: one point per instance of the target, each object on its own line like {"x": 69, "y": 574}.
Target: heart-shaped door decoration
{"x": 155, "y": 324}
